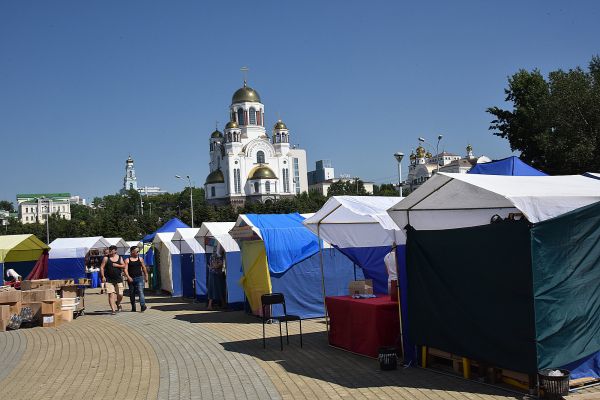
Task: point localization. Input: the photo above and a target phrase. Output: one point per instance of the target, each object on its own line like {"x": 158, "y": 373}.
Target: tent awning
{"x": 164, "y": 240}
{"x": 506, "y": 166}
{"x": 169, "y": 226}
{"x": 459, "y": 200}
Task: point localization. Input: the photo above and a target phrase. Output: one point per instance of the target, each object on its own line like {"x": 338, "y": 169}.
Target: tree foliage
{"x": 555, "y": 122}
{"x": 347, "y": 188}
{"x": 6, "y": 206}
{"x": 132, "y": 216}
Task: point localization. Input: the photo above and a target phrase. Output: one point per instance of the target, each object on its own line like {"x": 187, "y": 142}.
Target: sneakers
{"x": 144, "y": 308}
{"x": 119, "y": 307}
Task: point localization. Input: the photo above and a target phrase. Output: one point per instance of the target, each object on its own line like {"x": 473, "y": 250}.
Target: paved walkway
{"x": 178, "y": 350}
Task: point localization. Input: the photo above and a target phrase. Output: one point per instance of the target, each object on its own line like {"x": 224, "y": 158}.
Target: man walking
{"x": 137, "y": 276}
{"x": 111, "y": 273}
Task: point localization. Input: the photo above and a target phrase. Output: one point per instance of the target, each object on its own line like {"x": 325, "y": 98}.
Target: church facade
{"x": 246, "y": 164}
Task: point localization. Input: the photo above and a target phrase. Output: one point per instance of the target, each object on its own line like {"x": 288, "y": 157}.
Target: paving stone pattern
{"x": 179, "y": 350}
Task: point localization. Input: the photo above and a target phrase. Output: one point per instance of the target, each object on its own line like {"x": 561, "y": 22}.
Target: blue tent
{"x": 192, "y": 260}
{"x": 68, "y": 255}
{"x": 507, "y": 166}
{"x": 169, "y": 226}
{"x": 282, "y": 255}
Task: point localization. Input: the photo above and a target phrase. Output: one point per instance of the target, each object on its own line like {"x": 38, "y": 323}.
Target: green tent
{"x": 20, "y": 252}
{"x": 512, "y": 294}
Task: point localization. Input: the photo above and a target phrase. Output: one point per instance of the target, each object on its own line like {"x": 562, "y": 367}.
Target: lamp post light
{"x": 399, "y": 156}
{"x": 437, "y": 153}
{"x": 191, "y": 196}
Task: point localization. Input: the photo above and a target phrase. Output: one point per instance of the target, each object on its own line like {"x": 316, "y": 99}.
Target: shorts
{"x": 114, "y": 287}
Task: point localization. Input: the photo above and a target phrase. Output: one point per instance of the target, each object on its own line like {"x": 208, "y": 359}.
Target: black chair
{"x": 268, "y": 300}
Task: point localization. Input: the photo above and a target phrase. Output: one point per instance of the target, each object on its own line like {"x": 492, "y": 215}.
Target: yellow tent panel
{"x": 16, "y": 248}
{"x": 256, "y": 280}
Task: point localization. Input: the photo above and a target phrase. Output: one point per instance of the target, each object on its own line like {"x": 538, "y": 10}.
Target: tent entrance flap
{"x": 470, "y": 293}
{"x": 256, "y": 280}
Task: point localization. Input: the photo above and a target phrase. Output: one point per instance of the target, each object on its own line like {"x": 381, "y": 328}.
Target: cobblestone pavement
{"x": 177, "y": 349}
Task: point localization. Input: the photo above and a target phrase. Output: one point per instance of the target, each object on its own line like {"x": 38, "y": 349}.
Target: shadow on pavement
{"x": 320, "y": 361}
{"x": 218, "y": 316}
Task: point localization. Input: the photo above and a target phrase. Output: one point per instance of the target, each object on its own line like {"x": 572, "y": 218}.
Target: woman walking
{"x": 137, "y": 276}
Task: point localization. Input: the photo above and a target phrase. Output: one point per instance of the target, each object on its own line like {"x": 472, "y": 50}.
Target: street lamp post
{"x": 437, "y": 153}
{"x": 399, "y": 156}
{"x": 191, "y": 196}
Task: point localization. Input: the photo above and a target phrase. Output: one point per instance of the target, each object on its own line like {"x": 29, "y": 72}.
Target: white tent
{"x": 449, "y": 201}
{"x": 166, "y": 248}
{"x": 122, "y": 246}
{"x": 220, "y": 232}
{"x": 185, "y": 240}
{"x": 67, "y": 256}
{"x": 133, "y": 243}
{"x": 356, "y": 221}
{"x": 76, "y": 247}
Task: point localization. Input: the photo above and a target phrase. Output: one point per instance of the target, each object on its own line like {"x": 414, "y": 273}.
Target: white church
{"x": 246, "y": 164}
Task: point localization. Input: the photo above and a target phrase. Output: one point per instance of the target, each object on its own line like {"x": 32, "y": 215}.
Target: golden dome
{"x": 279, "y": 125}
{"x": 215, "y": 177}
{"x": 245, "y": 94}
{"x": 231, "y": 125}
{"x": 420, "y": 152}
{"x": 262, "y": 172}
{"x": 216, "y": 134}
{"x": 469, "y": 148}
{"x": 428, "y": 155}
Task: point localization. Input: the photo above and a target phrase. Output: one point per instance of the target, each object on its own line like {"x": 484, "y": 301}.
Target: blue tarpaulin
{"x": 169, "y": 226}
{"x": 287, "y": 241}
{"x": 506, "y": 166}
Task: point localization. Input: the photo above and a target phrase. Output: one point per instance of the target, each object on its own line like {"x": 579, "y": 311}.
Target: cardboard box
{"x": 69, "y": 303}
{"x": 66, "y": 315}
{"x": 68, "y": 292}
{"x": 50, "y": 321}
{"x": 51, "y": 307}
{"x": 37, "y": 295}
{"x": 4, "y": 312}
{"x": 361, "y": 287}
{"x": 10, "y": 296}
{"x": 37, "y": 284}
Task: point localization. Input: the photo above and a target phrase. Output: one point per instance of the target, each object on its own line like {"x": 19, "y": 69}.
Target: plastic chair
{"x": 268, "y": 300}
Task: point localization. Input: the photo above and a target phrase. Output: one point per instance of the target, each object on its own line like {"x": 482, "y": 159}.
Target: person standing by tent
{"x": 391, "y": 266}
{"x": 137, "y": 276}
{"x": 111, "y": 272}
{"x": 216, "y": 279}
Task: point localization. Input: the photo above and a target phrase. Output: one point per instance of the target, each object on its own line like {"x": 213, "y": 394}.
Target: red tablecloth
{"x": 363, "y": 325}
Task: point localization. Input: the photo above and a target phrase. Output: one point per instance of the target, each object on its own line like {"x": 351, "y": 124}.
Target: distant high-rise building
{"x": 323, "y": 171}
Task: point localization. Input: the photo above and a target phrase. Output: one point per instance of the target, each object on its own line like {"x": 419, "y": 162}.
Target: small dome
{"x": 420, "y": 152}
{"x": 129, "y": 160}
{"x": 215, "y": 177}
{"x": 262, "y": 172}
{"x": 245, "y": 94}
{"x": 216, "y": 134}
{"x": 279, "y": 125}
{"x": 231, "y": 125}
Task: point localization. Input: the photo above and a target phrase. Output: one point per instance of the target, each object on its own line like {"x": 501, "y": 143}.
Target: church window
{"x": 258, "y": 117}
{"x": 260, "y": 157}
{"x": 268, "y": 187}
{"x": 297, "y": 175}
{"x": 237, "y": 180}
{"x": 255, "y": 187}
{"x": 240, "y": 114}
{"x": 212, "y": 191}
{"x": 286, "y": 180}
{"x": 252, "y": 116}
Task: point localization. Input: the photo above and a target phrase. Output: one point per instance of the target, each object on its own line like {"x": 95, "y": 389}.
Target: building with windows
{"x": 248, "y": 165}
{"x": 423, "y": 164}
{"x": 34, "y": 208}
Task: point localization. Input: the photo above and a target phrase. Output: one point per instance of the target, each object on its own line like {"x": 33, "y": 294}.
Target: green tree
{"x": 6, "y": 206}
{"x": 386, "y": 189}
{"x": 554, "y": 122}
{"x": 347, "y": 188}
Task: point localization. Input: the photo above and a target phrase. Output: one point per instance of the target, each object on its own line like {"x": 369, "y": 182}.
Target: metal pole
{"x": 395, "y": 249}
{"x": 191, "y": 200}
{"x": 322, "y": 274}
{"x": 400, "y": 178}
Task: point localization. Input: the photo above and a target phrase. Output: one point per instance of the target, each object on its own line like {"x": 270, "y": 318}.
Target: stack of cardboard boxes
{"x": 42, "y": 296}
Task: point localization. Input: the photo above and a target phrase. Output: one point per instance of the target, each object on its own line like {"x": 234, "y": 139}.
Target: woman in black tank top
{"x": 137, "y": 276}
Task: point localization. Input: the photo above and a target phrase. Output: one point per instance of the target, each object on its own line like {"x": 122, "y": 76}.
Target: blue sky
{"x": 83, "y": 84}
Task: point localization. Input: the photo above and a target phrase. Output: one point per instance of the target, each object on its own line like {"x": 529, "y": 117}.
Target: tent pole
{"x": 395, "y": 249}
{"x": 322, "y": 274}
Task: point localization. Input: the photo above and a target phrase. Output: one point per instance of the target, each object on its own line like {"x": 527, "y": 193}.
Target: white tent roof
{"x": 76, "y": 247}
{"x": 185, "y": 240}
{"x": 356, "y": 221}
{"x": 219, "y": 231}
{"x": 448, "y": 200}
{"x": 132, "y": 243}
{"x": 122, "y": 247}
{"x": 163, "y": 240}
